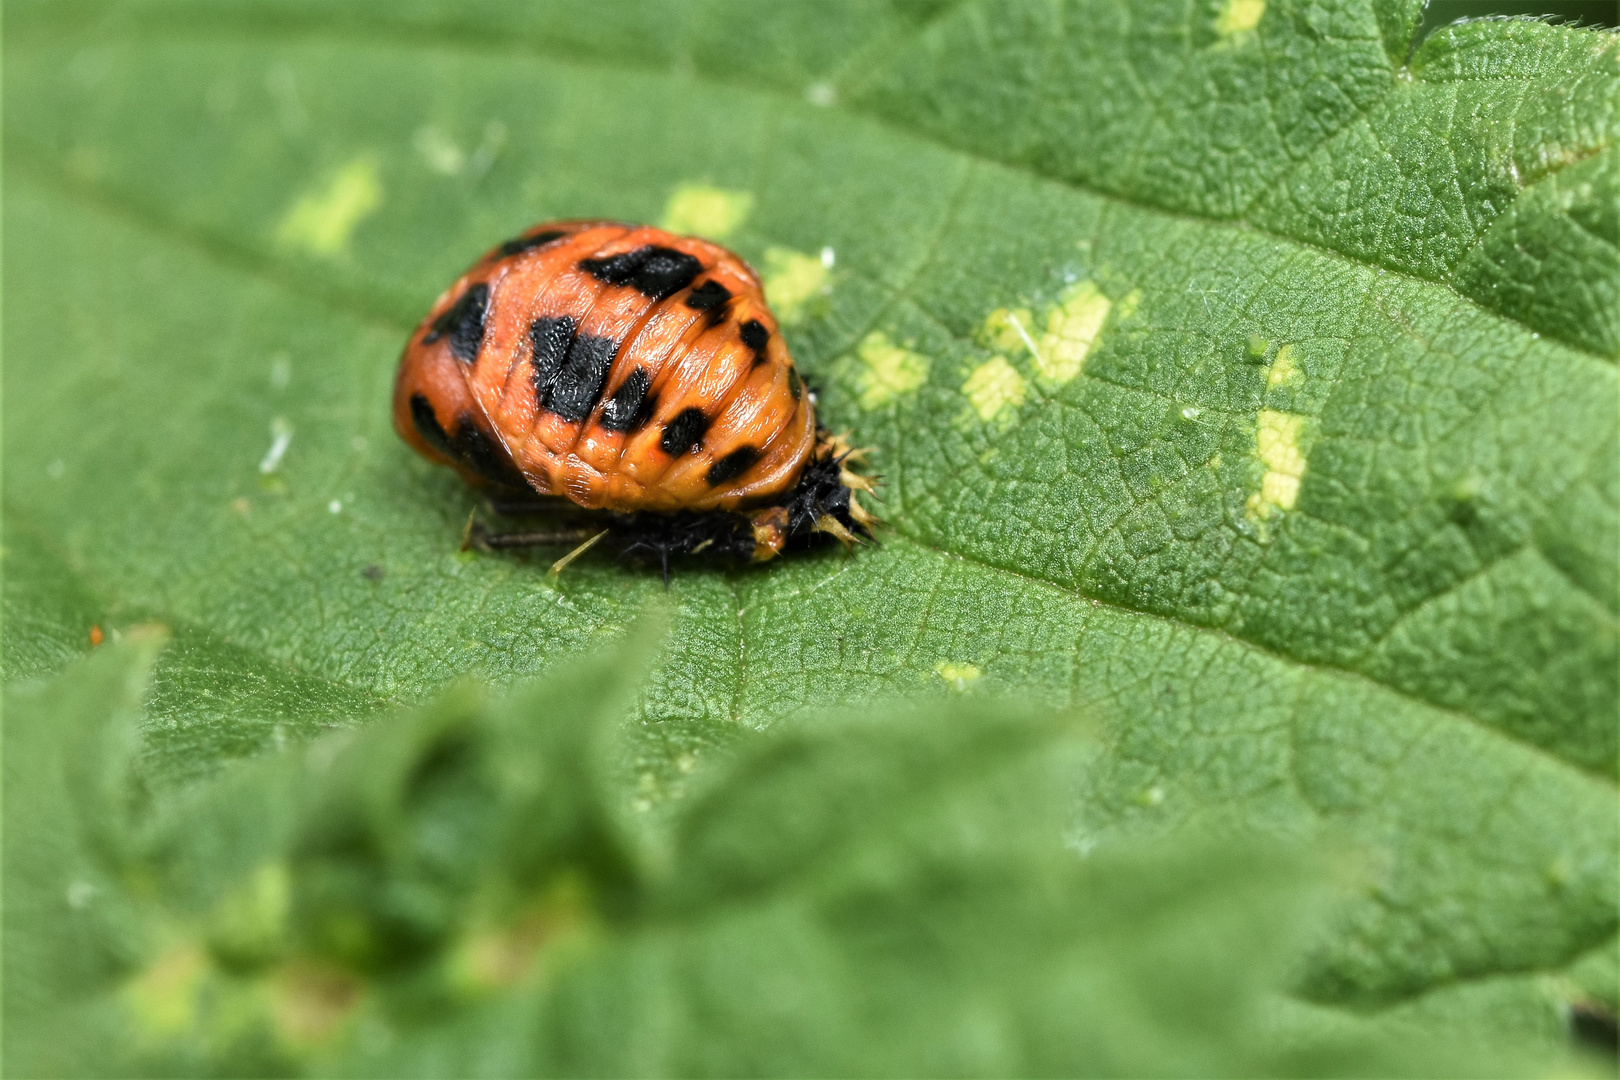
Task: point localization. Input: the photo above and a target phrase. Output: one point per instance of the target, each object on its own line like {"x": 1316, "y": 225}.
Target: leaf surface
{"x": 1242, "y": 372}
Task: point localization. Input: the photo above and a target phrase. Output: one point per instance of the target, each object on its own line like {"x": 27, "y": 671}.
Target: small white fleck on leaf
{"x": 281, "y": 434}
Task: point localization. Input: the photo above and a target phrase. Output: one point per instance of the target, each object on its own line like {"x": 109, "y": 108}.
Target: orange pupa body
{"x": 628, "y": 370}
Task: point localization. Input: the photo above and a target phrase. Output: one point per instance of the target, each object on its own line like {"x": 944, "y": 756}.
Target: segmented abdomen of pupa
{"x": 619, "y": 366}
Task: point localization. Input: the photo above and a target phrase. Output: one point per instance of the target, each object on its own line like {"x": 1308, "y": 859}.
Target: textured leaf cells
{"x": 1243, "y": 378}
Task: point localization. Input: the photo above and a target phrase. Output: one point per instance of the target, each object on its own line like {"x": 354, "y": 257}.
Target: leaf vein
{"x": 1460, "y": 714}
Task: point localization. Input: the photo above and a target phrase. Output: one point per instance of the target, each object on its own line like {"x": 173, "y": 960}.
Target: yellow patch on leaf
{"x": 1008, "y": 330}
{"x": 1239, "y": 16}
{"x": 1284, "y": 370}
{"x": 1072, "y": 329}
{"x": 994, "y": 386}
{"x": 711, "y": 212}
{"x": 886, "y": 370}
{"x": 957, "y": 676}
{"x": 793, "y": 281}
{"x": 1278, "y": 445}
{"x": 322, "y": 222}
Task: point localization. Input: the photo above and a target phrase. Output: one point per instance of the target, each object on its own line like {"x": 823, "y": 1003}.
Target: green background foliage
{"x": 1320, "y": 530}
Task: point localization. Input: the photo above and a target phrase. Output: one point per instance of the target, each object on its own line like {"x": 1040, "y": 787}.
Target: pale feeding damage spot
{"x": 794, "y": 281}
{"x": 1239, "y": 17}
{"x": 710, "y": 212}
{"x": 1072, "y": 330}
{"x": 994, "y": 388}
{"x": 957, "y": 676}
{"x": 322, "y": 221}
{"x": 1073, "y": 326}
{"x": 1009, "y": 329}
{"x": 1278, "y": 444}
{"x": 886, "y": 370}
{"x": 1285, "y": 369}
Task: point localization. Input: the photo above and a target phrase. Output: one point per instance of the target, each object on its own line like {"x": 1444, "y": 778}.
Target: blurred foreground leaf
{"x": 456, "y": 892}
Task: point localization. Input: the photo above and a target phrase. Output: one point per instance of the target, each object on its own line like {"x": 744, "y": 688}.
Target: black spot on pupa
{"x": 629, "y": 407}
{"x": 484, "y": 455}
{"x": 754, "y": 334}
{"x": 550, "y": 339}
{"x": 732, "y": 465}
{"x": 427, "y": 425}
{"x": 684, "y": 433}
{"x": 373, "y": 572}
{"x": 795, "y": 384}
{"x": 468, "y": 445}
{"x": 568, "y": 369}
{"x": 707, "y": 296}
{"x": 463, "y": 321}
{"x": 711, "y": 296}
{"x": 656, "y": 272}
{"x": 519, "y": 244}
{"x": 756, "y": 337}
{"x": 578, "y": 385}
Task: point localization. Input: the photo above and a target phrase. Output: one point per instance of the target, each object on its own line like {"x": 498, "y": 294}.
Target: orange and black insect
{"x": 629, "y": 371}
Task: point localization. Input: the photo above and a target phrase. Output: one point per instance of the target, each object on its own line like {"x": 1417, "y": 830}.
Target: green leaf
{"x": 1242, "y": 372}
{"x": 71, "y": 925}
{"x": 454, "y": 891}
